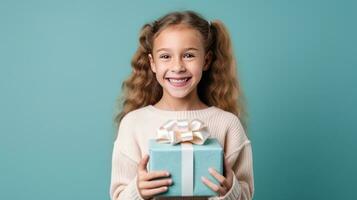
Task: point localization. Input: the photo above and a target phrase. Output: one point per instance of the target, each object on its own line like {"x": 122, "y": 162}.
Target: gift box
{"x": 187, "y": 154}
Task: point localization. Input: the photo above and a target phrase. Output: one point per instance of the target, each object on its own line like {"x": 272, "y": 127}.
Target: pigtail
{"x": 224, "y": 90}
{"x": 141, "y": 88}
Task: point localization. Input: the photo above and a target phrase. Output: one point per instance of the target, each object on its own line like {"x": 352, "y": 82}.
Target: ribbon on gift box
{"x": 178, "y": 131}
{"x": 186, "y": 133}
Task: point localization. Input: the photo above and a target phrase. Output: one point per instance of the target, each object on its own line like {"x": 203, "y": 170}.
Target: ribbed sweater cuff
{"x": 234, "y": 192}
{"x": 133, "y": 192}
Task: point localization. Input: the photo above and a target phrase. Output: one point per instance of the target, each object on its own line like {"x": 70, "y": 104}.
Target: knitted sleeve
{"x": 239, "y": 155}
{"x": 125, "y": 158}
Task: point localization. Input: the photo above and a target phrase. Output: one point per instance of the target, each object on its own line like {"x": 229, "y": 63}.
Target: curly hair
{"x": 219, "y": 85}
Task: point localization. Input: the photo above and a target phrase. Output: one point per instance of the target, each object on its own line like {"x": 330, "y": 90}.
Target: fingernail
{"x": 210, "y": 170}
{"x": 167, "y": 174}
{"x": 170, "y": 181}
{"x": 202, "y": 178}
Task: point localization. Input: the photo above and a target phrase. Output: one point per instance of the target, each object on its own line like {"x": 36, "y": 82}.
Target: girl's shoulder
{"x": 226, "y": 115}
{"x": 136, "y": 114}
{"x": 229, "y": 120}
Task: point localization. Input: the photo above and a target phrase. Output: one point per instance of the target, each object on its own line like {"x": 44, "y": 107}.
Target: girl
{"x": 184, "y": 68}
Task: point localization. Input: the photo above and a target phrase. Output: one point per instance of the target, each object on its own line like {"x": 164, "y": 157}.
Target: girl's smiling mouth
{"x": 178, "y": 82}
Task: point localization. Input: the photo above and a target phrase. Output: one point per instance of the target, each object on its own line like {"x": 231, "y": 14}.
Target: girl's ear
{"x": 208, "y": 60}
{"x": 152, "y": 64}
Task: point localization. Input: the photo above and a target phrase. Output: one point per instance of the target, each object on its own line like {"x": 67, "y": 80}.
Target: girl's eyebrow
{"x": 186, "y": 49}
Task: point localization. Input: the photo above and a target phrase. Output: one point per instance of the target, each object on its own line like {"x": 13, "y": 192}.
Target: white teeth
{"x": 178, "y": 80}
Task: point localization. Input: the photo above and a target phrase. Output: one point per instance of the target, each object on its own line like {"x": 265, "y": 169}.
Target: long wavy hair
{"x": 219, "y": 85}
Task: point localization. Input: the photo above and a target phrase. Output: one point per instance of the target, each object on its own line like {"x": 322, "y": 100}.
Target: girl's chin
{"x": 179, "y": 94}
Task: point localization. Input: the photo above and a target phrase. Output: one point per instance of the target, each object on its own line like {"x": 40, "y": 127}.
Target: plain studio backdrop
{"x": 62, "y": 64}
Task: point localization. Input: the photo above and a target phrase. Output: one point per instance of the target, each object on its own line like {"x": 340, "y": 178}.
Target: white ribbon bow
{"x": 177, "y": 131}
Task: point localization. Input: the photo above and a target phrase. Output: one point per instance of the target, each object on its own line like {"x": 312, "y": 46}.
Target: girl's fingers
{"x": 154, "y": 183}
{"x": 215, "y": 188}
{"x": 221, "y": 179}
{"x": 153, "y": 192}
{"x": 156, "y": 174}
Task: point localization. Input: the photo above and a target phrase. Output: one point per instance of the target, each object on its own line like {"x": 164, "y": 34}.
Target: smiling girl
{"x": 184, "y": 68}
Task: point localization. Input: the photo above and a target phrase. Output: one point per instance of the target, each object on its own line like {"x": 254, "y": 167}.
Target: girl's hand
{"x": 225, "y": 182}
{"x": 147, "y": 187}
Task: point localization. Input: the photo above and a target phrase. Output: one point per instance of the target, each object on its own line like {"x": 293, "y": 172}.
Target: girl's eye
{"x": 189, "y": 55}
{"x": 164, "y": 56}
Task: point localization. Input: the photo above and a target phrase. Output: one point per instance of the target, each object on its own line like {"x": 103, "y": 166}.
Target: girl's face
{"x": 178, "y": 60}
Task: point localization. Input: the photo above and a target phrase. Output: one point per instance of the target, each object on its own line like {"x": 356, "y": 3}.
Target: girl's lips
{"x": 178, "y": 82}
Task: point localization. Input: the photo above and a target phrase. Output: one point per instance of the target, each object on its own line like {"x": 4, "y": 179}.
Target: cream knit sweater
{"x": 140, "y": 125}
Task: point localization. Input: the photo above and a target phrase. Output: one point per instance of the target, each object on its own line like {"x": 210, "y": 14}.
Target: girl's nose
{"x": 178, "y": 66}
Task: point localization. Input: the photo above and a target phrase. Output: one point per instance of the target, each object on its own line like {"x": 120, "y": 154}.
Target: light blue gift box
{"x": 168, "y": 157}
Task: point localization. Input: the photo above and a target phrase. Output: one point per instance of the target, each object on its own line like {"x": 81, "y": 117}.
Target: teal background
{"x": 62, "y": 64}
